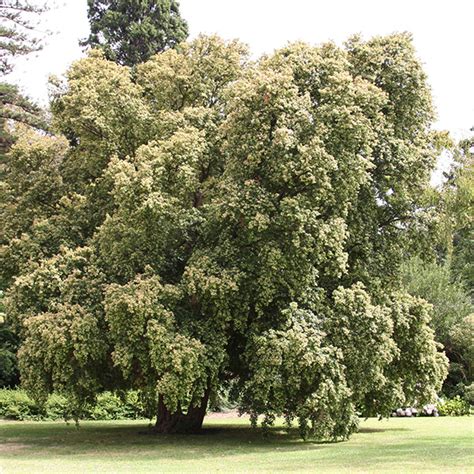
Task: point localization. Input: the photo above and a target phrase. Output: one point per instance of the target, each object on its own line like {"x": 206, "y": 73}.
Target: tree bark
{"x": 179, "y": 422}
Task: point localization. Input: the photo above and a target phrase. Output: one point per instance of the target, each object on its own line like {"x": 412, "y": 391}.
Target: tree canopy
{"x": 131, "y": 32}
{"x": 214, "y": 222}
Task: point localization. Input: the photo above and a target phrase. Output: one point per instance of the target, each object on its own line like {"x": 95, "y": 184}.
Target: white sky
{"x": 443, "y": 35}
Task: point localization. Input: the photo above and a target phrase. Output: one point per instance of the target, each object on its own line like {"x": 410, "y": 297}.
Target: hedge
{"x": 17, "y": 405}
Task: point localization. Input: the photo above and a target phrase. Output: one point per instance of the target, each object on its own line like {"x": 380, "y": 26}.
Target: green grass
{"x": 229, "y": 445}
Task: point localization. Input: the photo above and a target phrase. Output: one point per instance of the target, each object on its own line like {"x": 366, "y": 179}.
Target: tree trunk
{"x": 179, "y": 422}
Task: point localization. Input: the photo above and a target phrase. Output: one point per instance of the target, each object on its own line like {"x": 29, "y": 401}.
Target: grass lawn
{"x": 229, "y": 445}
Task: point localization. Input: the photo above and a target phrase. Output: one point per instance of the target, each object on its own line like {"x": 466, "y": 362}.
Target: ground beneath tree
{"x": 218, "y": 415}
{"x": 429, "y": 445}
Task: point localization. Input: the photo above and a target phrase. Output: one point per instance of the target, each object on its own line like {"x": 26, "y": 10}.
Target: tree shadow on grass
{"x": 93, "y": 439}
{"x": 64, "y": 438}
{"x": 381, "y": 430}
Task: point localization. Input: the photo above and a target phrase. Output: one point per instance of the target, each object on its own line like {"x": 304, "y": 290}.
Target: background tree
{"x": 445, "y": 278}
{"x": 9, "y": 374}
{"x": 20, "y": 187}
{"x": 452, "y": 321}
{"x": 244, "y": 223}
{"x": 130, "y": 32}
{"x": 18, "y": 36}
{"x": 457, "y": 208}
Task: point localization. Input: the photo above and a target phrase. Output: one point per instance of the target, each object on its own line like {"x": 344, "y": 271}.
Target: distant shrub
{"x": 108, "y": 407}
{"x": 454, "y": 407}
{"x": 57, "y": 408}
{"x": 469, "y": 393}
{"x": 135, "y": 406}
{"x": 16, "y": 405}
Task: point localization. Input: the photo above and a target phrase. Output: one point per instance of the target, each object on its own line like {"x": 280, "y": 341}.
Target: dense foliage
{"x": 9, "y": 375}
{"x": 205, "y": 220}
{"x": 457, "y": 208}
{"x": 455, "y": 407}
{"x": 18, "y": 37}
{"x": 131, "y": 32}
{"x": 446, "y": 278}
{"x": 16, "y": 405}
{"x": 453, "y": 318}
{"x": 16, "y": 109}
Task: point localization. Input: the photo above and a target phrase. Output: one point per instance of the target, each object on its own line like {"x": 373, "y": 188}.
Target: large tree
{"x": 130, "y": 32}
{"x": 240, "y": 223}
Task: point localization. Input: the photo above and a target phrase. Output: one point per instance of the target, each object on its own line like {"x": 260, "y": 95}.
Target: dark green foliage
{"x": 130, "y": 32}
{"x": 454, "y": 407}
{"x": 461, "y": 186}
{"x": 460, "y": 380}
{"x": 463, "y": 257}
{"x": 455, "y": 203}
{"x": 17, "y": 405}
{"x": 433, "y": 282}
{"x": 9, "y": 375}
{"x": 451, "y": 321}
{"x": 448, "y": 282}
